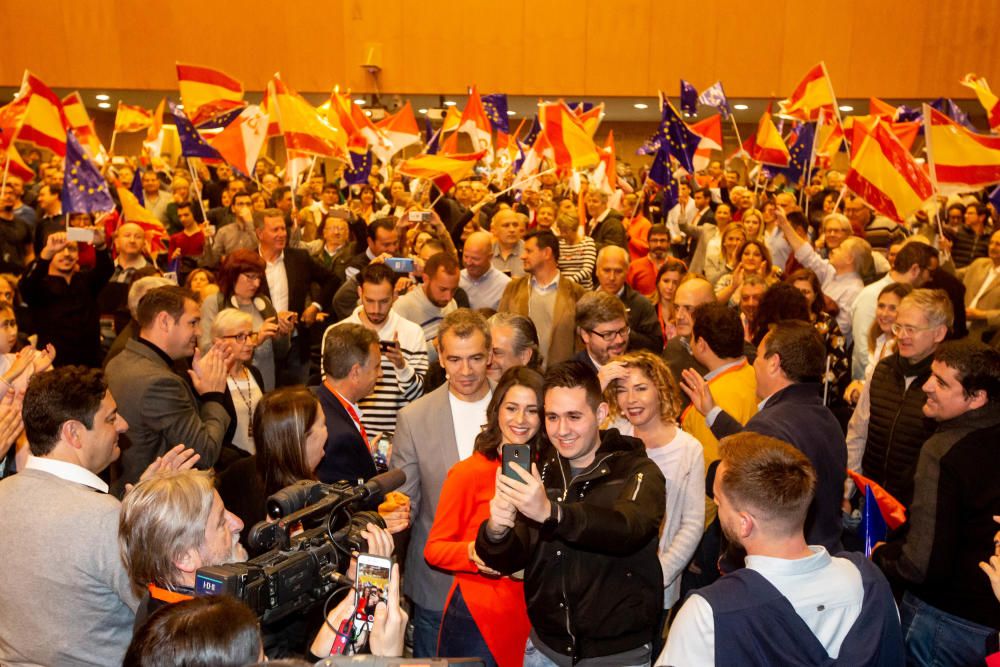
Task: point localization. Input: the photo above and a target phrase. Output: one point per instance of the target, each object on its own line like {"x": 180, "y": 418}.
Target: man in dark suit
{"x": 646, "y": 334}
{"x": 605, "y": 224}
{"x": 353, "y": 364}
{"x": 790, "y": 362}
{"x": 602, "y": 324}
{"x": 290, "y": 273}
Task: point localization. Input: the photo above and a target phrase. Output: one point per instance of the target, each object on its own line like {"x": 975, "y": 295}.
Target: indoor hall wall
{"x": 521, "y": 47}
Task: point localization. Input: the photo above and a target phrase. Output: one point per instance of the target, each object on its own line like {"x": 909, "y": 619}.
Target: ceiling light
{"x": 449, "y": 103}
{"x": 741, "y": 107}
{"x": 846, "y": 107}
{"x": 511, "y": 113}
{"x": 641, "y": 105}
{"x": 103, "y": 97}
{"x": 360, "y": 102}
{"x": 368, "y": 113}
{"x": 104, "y": 105}
{"x": 421, "y": 110}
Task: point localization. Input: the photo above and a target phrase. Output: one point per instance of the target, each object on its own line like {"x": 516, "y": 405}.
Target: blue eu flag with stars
{"x": 84, "y": 189}
{"x": 495, "y": 106}
{"x": 680, "y": 141}
{"x": 360, "y": 168}
{"x": 192, "y": 143}
{"x": 800, "y": 152}
{"x": 689, "y": 99}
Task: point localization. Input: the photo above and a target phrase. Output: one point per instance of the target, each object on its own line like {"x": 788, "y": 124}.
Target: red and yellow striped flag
{"x": 814, "y": 93}
{"x": 130, "y": 118}
{"x": 83, "y": 128}
{"x": 987, "y": 98}
{"x": 886, "y": 176}
{"x": 443, "y": 170}
{"x": 769, "y": 147}
{"x": 304, "y": 129}
{"x": 43, "y": 123}
{"x": 207, "y": 93}
{"x": 573, "y": 147}
{"x": 956, "y": 155}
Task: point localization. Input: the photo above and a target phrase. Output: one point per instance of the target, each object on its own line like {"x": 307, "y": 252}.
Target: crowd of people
{"x": 710, "y": 385}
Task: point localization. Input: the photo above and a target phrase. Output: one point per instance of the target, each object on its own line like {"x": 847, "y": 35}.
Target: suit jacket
{"x": 646, "y": 333}
{"x": 610, "y": 231}
{"x": 563, "y": 344}
{"x": 303, "y": 272}
{"x": 162, "y": 410}
{"x": 584, "y": 358}
{"x": 796, "y": 415}
{"x": 346, "y": 456}
{"x": 973, "y": 276}
{"x": 425, "y": 449}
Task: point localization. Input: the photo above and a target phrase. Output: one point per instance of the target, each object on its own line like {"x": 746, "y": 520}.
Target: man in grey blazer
{"x": 982, "y": 292}
{"x": 162, "y": 409}
{"x": 432, "y": 434}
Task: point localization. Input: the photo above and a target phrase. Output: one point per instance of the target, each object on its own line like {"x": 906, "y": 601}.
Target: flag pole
{"x": 525, "y": 180}
{"x": 195, "y": 179}
{"x": 114, "y": 135}
{"x": 812, "y": 156}
{"x": 6, "y": 170}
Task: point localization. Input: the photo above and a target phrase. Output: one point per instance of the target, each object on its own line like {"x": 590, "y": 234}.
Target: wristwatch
{"x": 555, "y": 514}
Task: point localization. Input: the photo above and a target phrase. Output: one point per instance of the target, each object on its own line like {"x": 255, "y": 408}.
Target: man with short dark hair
{"x": 545, "y": 296}
{"x": 383, "y": 243}
{"x": 583, "y": 526}
{"x": 235, "y": 232}
{"x": 972, "y": 239}
{"x": 788, "y": 369}
{"x": 793, "y": 603}
{"x": 67, "y": 598}
{"x": 162, "y": 408}
{"x": 427, "y": 304}
{"x": 947, "y": 609}
{"x": 15, "y": 233}
{"x": 642, "y": 272}
{"x": 602, "y": 326}
{"x": 154, "y": 198}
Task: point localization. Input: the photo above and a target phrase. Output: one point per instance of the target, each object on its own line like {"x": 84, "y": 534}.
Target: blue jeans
{"x": 426, "y": 625}
{"x": 535, "y": 658}
{"x": 936, "y": 638}
{"x": 460, "y": 636}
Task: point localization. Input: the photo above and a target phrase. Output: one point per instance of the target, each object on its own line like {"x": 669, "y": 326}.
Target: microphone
{"x": 379, "y": 485}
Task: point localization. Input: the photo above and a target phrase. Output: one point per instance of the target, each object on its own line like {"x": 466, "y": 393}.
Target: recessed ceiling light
{"x": 104, "y": 105}
{"x": 421, "y": 110}
{"x": 102, "y": 97}
{"x": 368, "y": 113}
{"x": 450, "y": 103}
{"x": 741, "y": 107}
{"x": 846, "y": 107}
{"x": 360, "y": 102}
{"x": 641, "y": 105}
{"x": 511, "y": 113}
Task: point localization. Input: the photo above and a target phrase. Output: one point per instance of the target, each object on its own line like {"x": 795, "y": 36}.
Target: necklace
{"x": 247, "y": 400}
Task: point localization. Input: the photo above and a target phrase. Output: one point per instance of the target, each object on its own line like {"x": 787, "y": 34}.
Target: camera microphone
{"x": 380, "y": 484}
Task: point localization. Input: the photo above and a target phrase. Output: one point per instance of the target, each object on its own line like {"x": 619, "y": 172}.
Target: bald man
{"x": 612, "y": 267}
{"x": 482, "y": 282}
{"x": 677, "y": 353}
{"x": 509, "y": 245}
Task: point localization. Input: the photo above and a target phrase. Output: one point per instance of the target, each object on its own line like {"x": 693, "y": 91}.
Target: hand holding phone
{"x": 80, "y": 234}
{"x": 400, "y": 264}
{"x": 519, "y": 454}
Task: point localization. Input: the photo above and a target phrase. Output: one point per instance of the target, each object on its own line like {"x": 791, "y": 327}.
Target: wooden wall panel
{"x": 592, "y": 48}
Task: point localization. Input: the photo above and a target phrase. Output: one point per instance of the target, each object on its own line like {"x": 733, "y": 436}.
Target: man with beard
{"x": 171, "y": 525}
{"x": 63, "y": 299}
{"x": 641, "y": 274}
{"x": 427, "y": 304}
{"x": 602, "y": 324}
{"x": 793, "y": 602}
{"x": 162, "y": 408}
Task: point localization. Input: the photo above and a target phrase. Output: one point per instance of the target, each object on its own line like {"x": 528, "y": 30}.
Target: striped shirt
{"x": 398, "y": 386}
{"x": 576, "y": 262}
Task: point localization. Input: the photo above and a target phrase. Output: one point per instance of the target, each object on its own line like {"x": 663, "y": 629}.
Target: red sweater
{"x": 496, "y": 604}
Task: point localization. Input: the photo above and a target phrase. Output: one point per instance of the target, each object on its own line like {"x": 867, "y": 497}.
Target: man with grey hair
{"x": 171, "y": 525}
{"x": 515, "y": 343}
{"x": 612, "y": 267}
{"x": 604, "y": 224}
{"x": 509, "y": 246}
{"x": 432, "y": 434}
{"x": 482, "y": 282}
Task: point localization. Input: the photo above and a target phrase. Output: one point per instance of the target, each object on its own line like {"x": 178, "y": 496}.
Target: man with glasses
{"x": 602, "y": 324}
{"x": 888, "y": 429}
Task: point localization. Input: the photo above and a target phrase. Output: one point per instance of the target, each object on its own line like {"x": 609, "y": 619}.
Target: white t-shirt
{"x": 468, "y": 419}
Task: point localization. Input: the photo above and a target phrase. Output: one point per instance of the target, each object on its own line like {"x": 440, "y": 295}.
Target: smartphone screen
{"x": 382, "y": 451}
{"x": 371, "y": 584}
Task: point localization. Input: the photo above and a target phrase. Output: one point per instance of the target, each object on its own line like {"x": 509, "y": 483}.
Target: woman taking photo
{"x": 485, "y": 615}
{"x": 668, "y": 278}
{"x": 649, "y": 398}
{"x": 241, "y": 281}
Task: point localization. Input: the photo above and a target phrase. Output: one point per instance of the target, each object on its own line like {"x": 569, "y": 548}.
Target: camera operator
{"x": 171, "y": 525}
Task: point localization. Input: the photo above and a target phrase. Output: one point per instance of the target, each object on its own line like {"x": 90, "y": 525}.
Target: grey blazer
{"x": 425, "y": 449}
{"x": 161, "y": 410}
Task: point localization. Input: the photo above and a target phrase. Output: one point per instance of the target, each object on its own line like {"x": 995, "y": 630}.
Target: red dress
{"x": 497, "y": 604}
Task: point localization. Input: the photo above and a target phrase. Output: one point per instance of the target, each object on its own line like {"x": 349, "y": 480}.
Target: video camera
{"x": 308, "y": 540}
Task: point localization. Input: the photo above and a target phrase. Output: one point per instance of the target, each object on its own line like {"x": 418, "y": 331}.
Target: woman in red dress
{"x": 485, "y": 615}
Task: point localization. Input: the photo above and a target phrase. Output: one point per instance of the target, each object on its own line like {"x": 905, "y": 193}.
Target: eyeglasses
{"x": 907, "y": 329}
{"x": 252, "y": 277}
{"x": 610, "y": 336}
{"x": 243, "y": 337}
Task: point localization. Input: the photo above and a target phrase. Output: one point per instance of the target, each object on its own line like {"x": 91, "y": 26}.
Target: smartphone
{"x": 386, "y": 345}
{"x": 371, "y": 584}
{"x": 340, "y": 214}
{"x": 419, "y": 216}
{"x": 81, "y": 234}
{"x": 400, "y": 264}
{"x": 519, "y": 454}
{"x": 382, "y": 450}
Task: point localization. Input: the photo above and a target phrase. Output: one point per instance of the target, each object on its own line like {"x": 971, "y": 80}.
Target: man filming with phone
{"x": 583, "y": 524}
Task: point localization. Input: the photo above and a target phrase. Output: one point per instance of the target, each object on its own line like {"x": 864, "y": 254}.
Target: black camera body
{"x": 307, "y": 546}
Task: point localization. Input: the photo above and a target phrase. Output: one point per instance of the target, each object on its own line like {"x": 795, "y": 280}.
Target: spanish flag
{"x": 133, "y": 211}
{"x": 476, "y": 125}
{"x": 80, "y": 123}
{"x": 452, "y": 119}
{"x": 769, "y": 147}
{"x": 15, "y": 164}
{"x": 887, "y": 177}
{"x": 443, "y": 170}
{"x": 131, "y": 118}
{"x": 814, "y": 92}
{"x": 877, "y": 107}
{"x": 956, "y": 155}
{"x": 207, "y": 93}
{"x": 43, "y": 123}
{"x": 986, "y": 97}
{"x": 305, "y": 130}
{"x": 572, "y": 144}
{"x": 342, "y": 112}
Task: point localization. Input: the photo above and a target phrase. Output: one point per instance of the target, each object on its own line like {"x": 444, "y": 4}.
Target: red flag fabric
{"x": 892, "y": 510}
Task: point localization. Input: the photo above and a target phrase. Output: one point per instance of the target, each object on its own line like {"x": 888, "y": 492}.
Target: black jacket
{"x": 796, "y": 415}
{"x": 347, "y": 456}
{"x": 646, "y": 333}
{"x": 593, "y": 583}
{"x": 303, "y": 272}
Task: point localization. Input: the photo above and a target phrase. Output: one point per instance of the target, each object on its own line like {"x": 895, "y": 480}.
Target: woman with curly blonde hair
{"x": 646, "y": 394}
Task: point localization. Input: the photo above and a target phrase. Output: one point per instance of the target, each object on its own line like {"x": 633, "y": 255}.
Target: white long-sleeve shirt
{"x": 843, "y": 288}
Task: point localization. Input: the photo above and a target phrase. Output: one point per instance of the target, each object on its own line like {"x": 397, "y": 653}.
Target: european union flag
{"x": 519, "y": 160}
{"x": 953, "y": 111}
{"x": 192, "y": 143}
{"x": 873, "y": 528}
{"x": 581, "y": 107}
{"x": 495, "y": 106}
{"x": 689, "y": 99}
{"x": 681, "y": 142}
{"x": 84, "y": 189}
{"x": 533, "y": 131}
{"x": 905, "y": 114}
{"x": 800, "y": 152}
{"x": 221, "y": 121}
{"x": 651, "y": 145}
{"x": 361, "y": 166}
{"x": 661, "y": 173}
{"x": 995, "y": 197}
{"x": 715, "y": 96}
{"x": 135, "y": 187}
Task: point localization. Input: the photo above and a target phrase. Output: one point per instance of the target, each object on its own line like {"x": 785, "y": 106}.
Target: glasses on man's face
{"x": 907, "y": 330}
{"x": 8, "y": 324}
{"x": 243, "y": 337}
{"x": 610, "y": 336}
